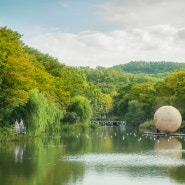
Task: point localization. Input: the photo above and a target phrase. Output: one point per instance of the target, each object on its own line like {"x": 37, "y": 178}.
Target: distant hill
{"x": 154, "y": 68}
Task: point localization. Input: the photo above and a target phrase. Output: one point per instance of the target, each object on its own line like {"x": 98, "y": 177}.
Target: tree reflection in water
{"x": 75, "y": 157}
{"x": 19, "y": 150}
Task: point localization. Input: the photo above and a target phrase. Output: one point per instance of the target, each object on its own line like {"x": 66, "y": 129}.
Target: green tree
{"x": 81, "y": 106}
{"x": 73, "y": 78}
{"x": 170, "y": 90}
{"x": 178, "y": 96}
{"x": 136, "y": 114}
{"x": 15, "y": 74}
{"x": 40, "y": 114}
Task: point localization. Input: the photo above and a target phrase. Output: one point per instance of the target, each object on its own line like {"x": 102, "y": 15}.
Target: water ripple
{"x": 162, "y": 158}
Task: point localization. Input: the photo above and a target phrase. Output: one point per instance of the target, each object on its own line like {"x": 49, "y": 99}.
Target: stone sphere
{"x": 167, "y": 119}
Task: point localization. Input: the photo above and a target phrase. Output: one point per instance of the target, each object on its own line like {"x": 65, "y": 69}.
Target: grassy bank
{"x": 9, "y": 134}
{"x": 79, "y": 126}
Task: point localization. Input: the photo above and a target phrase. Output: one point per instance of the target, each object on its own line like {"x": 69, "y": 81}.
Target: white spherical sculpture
{"x": 167, "y": 119}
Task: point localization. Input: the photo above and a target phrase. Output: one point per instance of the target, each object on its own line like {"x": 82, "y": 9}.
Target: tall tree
{"x": 81, "y": 106}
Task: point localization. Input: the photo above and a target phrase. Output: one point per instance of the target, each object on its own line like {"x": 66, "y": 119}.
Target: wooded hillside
{"x": 150, "y": 67}
{"x": 46, "y": 93}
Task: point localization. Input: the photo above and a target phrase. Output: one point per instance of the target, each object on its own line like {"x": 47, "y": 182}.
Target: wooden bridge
{"x": 110, "y": 123}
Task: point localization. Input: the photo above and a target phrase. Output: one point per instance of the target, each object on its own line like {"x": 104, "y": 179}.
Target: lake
{"x": 110, "y": 155}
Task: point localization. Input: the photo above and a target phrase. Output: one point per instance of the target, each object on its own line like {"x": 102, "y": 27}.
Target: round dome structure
{"x": 167, "y": 119}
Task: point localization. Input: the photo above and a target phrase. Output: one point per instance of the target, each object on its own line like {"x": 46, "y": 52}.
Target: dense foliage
{"x": 150, "y": 67}
{"x": 80, "y": 108}
{"x": 46, "y": 93}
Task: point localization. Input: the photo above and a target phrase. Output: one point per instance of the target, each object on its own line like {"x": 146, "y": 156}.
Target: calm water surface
{"x": 111, "y": 155}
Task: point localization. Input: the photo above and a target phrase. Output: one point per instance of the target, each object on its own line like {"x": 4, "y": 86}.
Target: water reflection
{"x": 118, "y": 155}
{"x": 169, "y": 146}
{"x": 19, "y": 151}
{"x": 172, "y": 148}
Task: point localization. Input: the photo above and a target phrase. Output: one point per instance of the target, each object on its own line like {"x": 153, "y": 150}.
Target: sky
{"x": 100, "y": 32}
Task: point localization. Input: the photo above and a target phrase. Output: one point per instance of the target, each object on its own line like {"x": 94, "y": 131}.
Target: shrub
{"x": 71, "y": 118}
{"x": 94, "y": 126}
{"x": 147, "y": 126}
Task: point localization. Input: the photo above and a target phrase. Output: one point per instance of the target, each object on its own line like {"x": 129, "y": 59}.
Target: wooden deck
{"x": 164, "y": 134}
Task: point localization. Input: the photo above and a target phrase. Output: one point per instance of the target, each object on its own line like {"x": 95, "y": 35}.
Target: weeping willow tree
{"x": 41, "y": 115}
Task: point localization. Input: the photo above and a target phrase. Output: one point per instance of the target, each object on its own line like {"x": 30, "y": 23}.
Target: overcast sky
{"x": 100, "y": 32}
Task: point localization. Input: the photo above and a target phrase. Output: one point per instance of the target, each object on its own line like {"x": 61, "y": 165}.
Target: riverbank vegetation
{"x": 48, "y": 94}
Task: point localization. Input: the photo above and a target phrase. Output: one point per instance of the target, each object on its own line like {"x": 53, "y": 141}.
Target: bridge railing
{"x": 110, "y": 123}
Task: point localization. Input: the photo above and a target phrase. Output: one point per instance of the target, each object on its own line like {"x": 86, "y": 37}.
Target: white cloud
{"x": 151, "y": 30}
{"x": 142, "y": 13}
{"x": 92, "y": 48}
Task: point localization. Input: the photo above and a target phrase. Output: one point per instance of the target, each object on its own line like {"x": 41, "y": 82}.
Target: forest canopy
{"x": 46, "y": 93}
